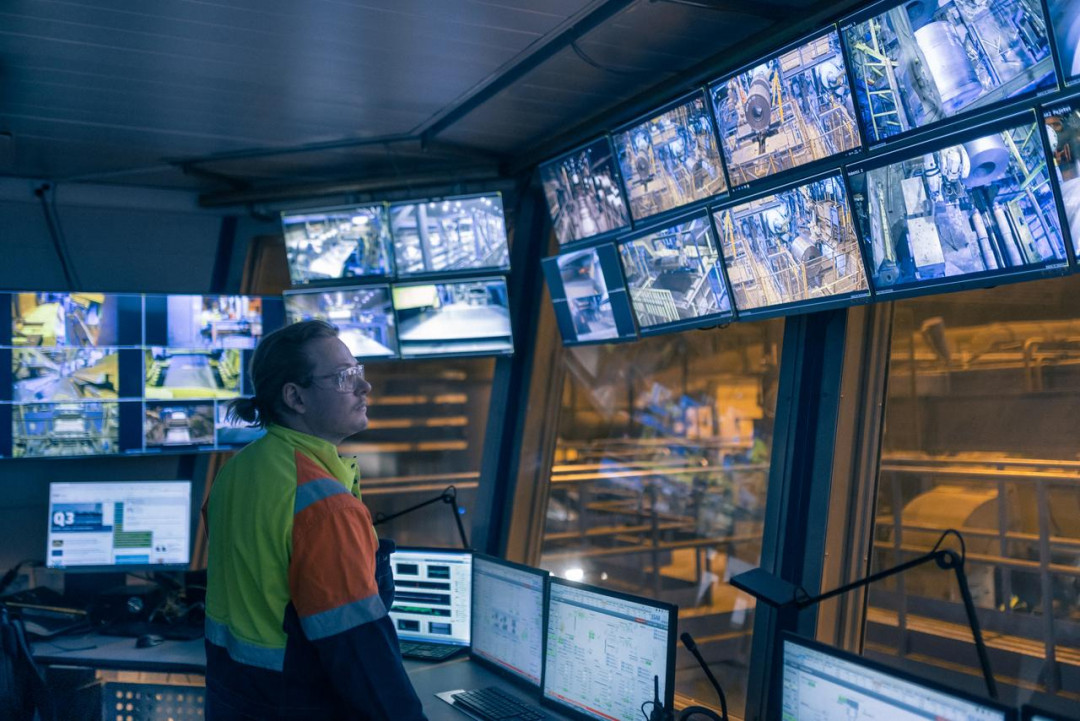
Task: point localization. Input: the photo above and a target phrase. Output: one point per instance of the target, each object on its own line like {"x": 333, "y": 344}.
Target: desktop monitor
{"x": 820, "y": 682}
{"x": 789, "y": 110}
{"x": 916, "y": 63}
{"x": 794, "y": 249}
{"x": 433, "y": 595}
{"x": 508, "y": 617}
{"x": 450, "y": 235}
{"x": 1033, "y": 713}
{"x": 589, "y": 296}
{"x": 583, "y": 192}
{"x": 670, "y": 159}
{"x": 119, "y": 525}
{"x": 337, "y": 243}
{"x": 461, "y": 318}
{"x": 675, "y": 278}
{"x": 363, "y": 316}
{"x": 603, "y": 651}
{"x": 1062, "y": 126}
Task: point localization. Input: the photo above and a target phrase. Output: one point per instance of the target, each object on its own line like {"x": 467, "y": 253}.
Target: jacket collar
{"x": 320, "y": 450}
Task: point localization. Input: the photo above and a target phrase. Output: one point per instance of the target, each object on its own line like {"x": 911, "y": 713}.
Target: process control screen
{"x": 508, "y": 617}
{"x": 433, "y": 595}
{"x": 130, "y": 523}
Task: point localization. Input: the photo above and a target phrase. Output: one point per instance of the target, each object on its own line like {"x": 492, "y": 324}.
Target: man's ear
{"x": 293, "y": 399}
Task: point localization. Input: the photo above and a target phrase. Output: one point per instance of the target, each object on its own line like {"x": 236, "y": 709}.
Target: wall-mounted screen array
{"x": 100, "y": 373}
{"x": 1062, "y": 125}
{"x": 363, "y": 316}
{"x": 469, "y": 317}
{"x": 590, "y": 297}
{"x": 338, "y": 243}
{"x": 584, "y": 194}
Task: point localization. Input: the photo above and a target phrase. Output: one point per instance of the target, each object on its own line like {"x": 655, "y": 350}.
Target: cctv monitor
{"x": 792, "y": 250}
{"x": 449, "y": 235}
{"x": 583, "y": 192}
{"x": 363, "y": 316}
{"x": 179, "y": 424}
{"x": 232, "y": 432}
{"x": 1065, "y": 21}
{"x": 460, "y": 318}
{"x": 508, "y": 617}
{"x": 670, "y": 159}
{"x": 433, "y": 595}
{"x": 916, "y": 63}
{"x": 820, "y": 682}
{"x": 786, "y": 111}
{"x": 675, "y": 278}
{"x": 604, "y": 651}
{"x": 49, "y": 375}
{"x": 338, "y": 243}
{"x": 119, "y": 525}
{"x": 589, "y": 296}
{"x": 209, "y": 321}
{"x": 188, "y": 373}
{"x": 965, "y": 211}
{"x": 57, "y": 430}
{"x": 71, "y": 320}
{"x": 1061, "y": 123}
{"x": 1033, "y": 713}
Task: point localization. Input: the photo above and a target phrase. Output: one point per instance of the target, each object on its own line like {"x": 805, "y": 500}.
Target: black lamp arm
{"x": 448, "y": 496}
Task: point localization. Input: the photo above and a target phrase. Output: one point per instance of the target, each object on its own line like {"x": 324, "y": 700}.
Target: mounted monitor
{"x": 792, "y": 250}
{"x": 1065, "y": 20}
{"x": 460, "y": 318}
{"x": 338, "y": 243}
{"x": 208, "y": 321}
{"x": 963, "y": 212}
{"x": 583, "y": 192}
{"x": 508, "y": 617}
{"x": 71, "y": 320}
{"x": 1062, "y": 126}
{"x": 674, "y": 277}
{"x": 589, "y": 295}
{"x": 916, "y": 63}
{"x": 363, "y": 316}
{"x": 449, "y": 235}
{"x": 790, "y": 110}
{"x": 670, "y": 159}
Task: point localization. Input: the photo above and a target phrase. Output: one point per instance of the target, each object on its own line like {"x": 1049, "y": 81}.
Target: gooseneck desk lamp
{"x": 779, "y": 593}
{"x": 448, "y": 496}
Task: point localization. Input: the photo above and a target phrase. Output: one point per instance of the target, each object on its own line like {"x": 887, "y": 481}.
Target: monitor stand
{"x": 83, "y": 588}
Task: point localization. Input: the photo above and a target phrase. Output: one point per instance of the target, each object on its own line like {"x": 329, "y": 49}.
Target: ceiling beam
{"x": 754, "y": 8}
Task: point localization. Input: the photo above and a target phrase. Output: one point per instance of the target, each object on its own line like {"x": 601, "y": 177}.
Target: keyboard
{"x": 428, "y": 651}
{"x": 170, "y": 632}
{"x": 496, "y": 705}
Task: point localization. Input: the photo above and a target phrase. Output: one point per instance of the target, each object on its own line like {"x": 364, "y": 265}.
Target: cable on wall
{"x": 46, "y": 193}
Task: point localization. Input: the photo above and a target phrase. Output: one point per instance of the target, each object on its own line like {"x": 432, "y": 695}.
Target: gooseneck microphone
{"x": 688, "y": 641}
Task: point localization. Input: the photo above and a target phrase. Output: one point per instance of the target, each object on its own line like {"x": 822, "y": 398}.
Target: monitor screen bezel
{"x": 432, "y": 549}
{"x": 673, "y": 625}
{"x": 310, "y": 290}
{"x": 450, "y": 281}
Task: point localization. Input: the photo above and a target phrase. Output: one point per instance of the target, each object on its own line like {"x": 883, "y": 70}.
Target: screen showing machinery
{"x": 338, "y": 243}
{"x": 204, "y": 321}
{"x": 589, "y": 296}
{"x": 795, "y": 246}
{"x": 43, "y": 375}
{"x": 181, "y": 373}
{"x": 450, "y": 234}
{"x": 363, "y": 316}
{"x": 119, "y": 524}
{"x": 921, "y": 62}
{"x": 54, "y": 430}
{"x": 73, "y": 320}
{"x": 1062, "y": 125}
{"x": 508, "y": 617}
{"x": 671, "y": 159}
{"x": 1065, "y": 20}
{"x": 179, "y": 423}
{"x": 433, "y": 596}
{"x": 958, "y": 210}
{"x": 462, "y": 318}
{"x": 793, "y": 109}
{"x": 583, "y": 193}
{"x": 674, "y": 276}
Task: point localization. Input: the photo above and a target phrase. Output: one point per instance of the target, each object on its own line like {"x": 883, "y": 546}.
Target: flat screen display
{"x": 43, "y": 375}
{"x": 1065, "y": 20}
{"x": 363, "y": 316}
{"x": 54, "y": 430}
{"x": 450, "y": 234}
{"x": 433, "y": 595}
{"x": 921, "y": 62}
{"x": 204, "y": 321}
{"x": 670, "y": 159}
{"x": 790, "y": 110}
{"x": 338, "y": 243}
{"x": 508, "y": 617}
{"x": 74, "y": 320}
{"x": 179, "y": 423}
{"x": 583, "y": 193}
{"x": 674, "y": 276}
{"x": 589, "y": 296}
{"x": 1062, "y": 126}
{"x": 796, "y": 246}
{"x": 178, "y": 373}
{"x": 461, "y": 318}
{"x": 975, "y": 206}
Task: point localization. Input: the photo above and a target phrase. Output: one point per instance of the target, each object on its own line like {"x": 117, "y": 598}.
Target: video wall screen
{"x": 790, "y": 110}
{"x": 921, "y": 62}
{"x": 671, "y": 159}
{"x": 589, "y": 296}
{"x": 204, "y": 321}
{"x": 674, "y": 276}
{"x": 1062, "y": 126}
{"x": 450, "y": 234}
{"x": 364, "y": 317}
{"x": 73, "y": 320}
{"x": 338, "y": 243}
{"x": 977, "y": 205}
{"x": 583, "y": 193}
{"x": 796, "y": 246}
{"x": 460, "y": 318}
{"x": 1065, "y": 20}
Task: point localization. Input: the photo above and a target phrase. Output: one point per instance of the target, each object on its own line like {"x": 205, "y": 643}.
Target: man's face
{"x": 328, "y": 412}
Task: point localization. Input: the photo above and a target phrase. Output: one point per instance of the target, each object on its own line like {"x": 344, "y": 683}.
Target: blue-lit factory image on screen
{"x": 921, "y": 62}
{"x": 795, "y": 246}
{"x": 670, "y": 160}
{"x": 788, "y": 111}
{"x": 363, "y": 316}
{"x": 1062, "y": 125}
{"x": 179, "y": 423}
{"x": 43, "y": 375}
{"x": 182, "y": 373}
{"x": 959, "y": 210}
{"x": 462, "y": 318}
{"x": 68, "y": 319}
{"x": 450, "y": 234}
{"x": 44, "y": 430}
{"x": 1065, "y": 20}
{"x": 674, "y": 275}
{"x": 583, "y": 193}
{"x": 214, "y": 321}
{"x": 232, "y": 431}
{"x": 337, "y": 243}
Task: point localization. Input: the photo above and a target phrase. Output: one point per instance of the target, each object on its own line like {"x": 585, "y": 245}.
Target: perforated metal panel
{"x": 151, "y": 702}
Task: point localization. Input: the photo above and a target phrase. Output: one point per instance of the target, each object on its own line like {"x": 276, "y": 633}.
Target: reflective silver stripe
{"x": 243, "y": 651}
{"x": 343, "y": 618}
{"x": 314, "y": 491}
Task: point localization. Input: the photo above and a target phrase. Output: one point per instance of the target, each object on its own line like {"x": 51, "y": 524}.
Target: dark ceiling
{"x": 247, "y": 99}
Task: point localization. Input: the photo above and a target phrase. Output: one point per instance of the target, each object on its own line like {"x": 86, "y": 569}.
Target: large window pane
{"x": 659, "y": 482}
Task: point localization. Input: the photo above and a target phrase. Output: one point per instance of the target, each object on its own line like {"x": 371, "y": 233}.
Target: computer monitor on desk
{"x": 432, "y": 598}
{"x": 820, "y": 682}
{"x": 508, "y": 618}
